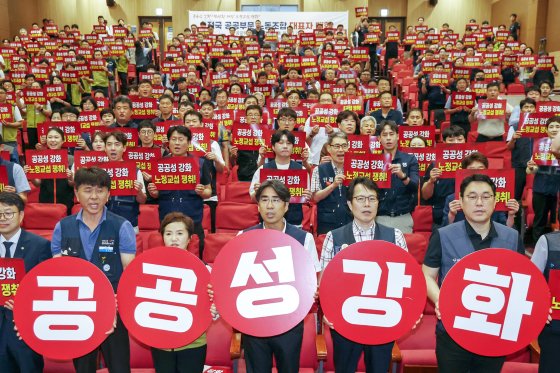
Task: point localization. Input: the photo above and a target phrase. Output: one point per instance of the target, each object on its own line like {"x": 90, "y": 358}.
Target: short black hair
{"x": 57, "y": 130}
{"x": 452, "y": 131}
{"x": 278, "y": 186}
{"x": 118, "y": 135}
{"x": 12, "y": 199}
{"x": 146, "y": 124}
{"x": 391, "y": 123}
{"x": 345, "y": 114}
{"x": 493, "y": 84}
{"x": 527, "y": 100}
{"x": 93, "y": 176}
{"x": 474, "y": 157}
{"x": 122, "y": 100}
{"x": 193, "y": 112}
{"x": 476, "y": 178}
{"x": 532, "y": 88}
{"x": 277, "y": 136}
{"x": 287, "y": 112}
{"x": 181, "y": 130}
{"x": 366, "y": 182}
{"x": 254, "y": 107}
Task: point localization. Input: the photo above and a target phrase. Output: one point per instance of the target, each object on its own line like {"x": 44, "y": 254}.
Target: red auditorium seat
{"x": 238, "y": 192}
{"x": 40, "y": 218}
{"x": 223, "y": 345}
{"x": 307, "y": 222}
{"x": 417, "y": 348}
{"x": 213, "y": 243}
{"x": 55, "y": 366}
{"x": 206, "y": 219}
{"x": 76, "y": 208}
{"x": 233, "y": 217}
{"x": 516, "y": 89}
{"x": 417, "y": 245}
{"x": 148, "y": 220}
{"x": 33, "y": 195}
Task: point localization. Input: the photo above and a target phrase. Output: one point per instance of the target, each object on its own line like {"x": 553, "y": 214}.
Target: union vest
{"x": 291, "y": 231}
{"x": 456, "y": 244}
{"x": 109, "y": 259}
{"x": 345, "y": 235}
{"x": 553, "y": 262}
{"x": 332, "y": 210}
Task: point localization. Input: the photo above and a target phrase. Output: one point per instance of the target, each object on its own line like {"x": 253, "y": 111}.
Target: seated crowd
{"x": 358, "y": 126}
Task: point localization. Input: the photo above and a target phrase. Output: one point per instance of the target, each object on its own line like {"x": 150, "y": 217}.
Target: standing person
{"x": 282, "y": 144}
{"x": 126, "y": 206}
{"x": 514, "y": 26}
{"x": 546, "y": 258}
{"x": 397, "y": 203}
{"x": 122, "y": 111}
{"x": 80, "y": 236}
{"x": 453, "y": 242}
{"x": 56, "y": 190}
{"x": 101, "y": 78}
{"x": 327, "y": 189}
{"x": 391, "y": 50}
{"x": 247, "y": 159}
{"x": 15, "y": 355}
{"x": 386, "y": 112}
{"x": 10, "y": 130}
{"x": 273, "y": 198}
{"x": 362, "y": 199}
{"x": 490, "y": 129}
{"x": 142, "y": 49}
{"x": 545, "y": 186}
{"x": 434, "y": 189}
{"x": 459, "y": 116}
{"x": 188, "y": 202}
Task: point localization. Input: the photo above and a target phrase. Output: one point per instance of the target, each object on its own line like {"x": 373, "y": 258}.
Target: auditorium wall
{"x": 532, "y": 13}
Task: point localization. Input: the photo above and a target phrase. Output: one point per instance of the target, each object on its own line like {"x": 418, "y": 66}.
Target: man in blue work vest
{"x": 106, "y": 240}
{"x": 453, "y": 242}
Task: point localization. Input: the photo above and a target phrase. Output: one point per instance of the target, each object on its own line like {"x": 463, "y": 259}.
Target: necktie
{"x": 7, "y": 245}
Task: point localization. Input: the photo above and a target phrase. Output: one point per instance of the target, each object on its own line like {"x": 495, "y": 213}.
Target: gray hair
{"x": 368, "y": 118}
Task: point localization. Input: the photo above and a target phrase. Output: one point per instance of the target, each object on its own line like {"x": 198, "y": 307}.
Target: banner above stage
{"x": 306, "y": 21}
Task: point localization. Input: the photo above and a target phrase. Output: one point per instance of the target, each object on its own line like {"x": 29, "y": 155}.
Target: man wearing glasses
{"x": 362, "y": 199}
{"x": 455, "y": 241}
{"x": 327, "y": 189}
{"x": 15, "y": 355}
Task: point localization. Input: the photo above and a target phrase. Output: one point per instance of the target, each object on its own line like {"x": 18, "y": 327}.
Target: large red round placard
{"x": 494, "y": 302}
{"x": 264, "y": 282}
{"x": 64, "y": 307}
{"x": 163, "y": 297}
{"x": 373, "y": 292}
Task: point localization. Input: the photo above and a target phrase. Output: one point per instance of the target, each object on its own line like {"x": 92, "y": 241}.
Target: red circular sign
{"x": 494, "y": 302}
{"x": 163, "y": 297}
{"x": 64, "y": 307}
{"x": 383, "y": 296}
{"x": 264, "y": 282}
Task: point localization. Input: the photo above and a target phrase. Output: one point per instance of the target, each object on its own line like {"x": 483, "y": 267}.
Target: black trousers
{"x": 520, "y": 182}
{"x": 212, "y": 205}
{"x": 543, "y": 205}
{"x": 199, "y": 231}
{"x": 549, "y": 342}
{"x": 115, "y": 350}
{"x": 482, "y": 138}
{"x": 32, "y": 138}
{"x": 123, "y": 77}
{"x": 190, "y": 360}
{"x": 452, "y": 358}
{"x": 15, "y": 355}
{"x": 285, "y": 347}
{"x": 346, "y": 355}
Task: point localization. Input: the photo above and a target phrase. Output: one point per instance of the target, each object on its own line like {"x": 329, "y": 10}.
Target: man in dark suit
{"x": 15, "y": 242}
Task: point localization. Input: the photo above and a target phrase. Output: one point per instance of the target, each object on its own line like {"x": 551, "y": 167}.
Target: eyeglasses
{"x": 485, "y": 197}
{"x": 290, "y": 120}
{"x": 340, "y": 146}
{"x": 362, "y": 199}
{"x": 7, "y": 215}
{"x": 274, "y": 200}
{"x": 146, "y": 132}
